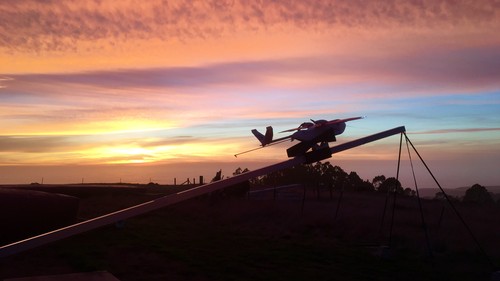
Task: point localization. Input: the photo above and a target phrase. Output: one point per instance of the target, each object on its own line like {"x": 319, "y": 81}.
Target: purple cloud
{"x": 452, "y": 68}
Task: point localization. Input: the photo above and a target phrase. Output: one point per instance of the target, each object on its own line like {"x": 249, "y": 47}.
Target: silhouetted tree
{"x": 390, "y": 184}
{"x": 239, "y": 171}
{"x": 339, "y": 177}
{"x": 439, "y": 196}
{"x": 355, "y": 183}
{"x": 377, "y": 181}
{"x": 324, "y": 173}
{"x": 318, "y": 174}
{"x": 409, "y": 192}
{"x": 478, "y": 194}
{"x": 296, "y": 174}
{"x": 218, "y": 176}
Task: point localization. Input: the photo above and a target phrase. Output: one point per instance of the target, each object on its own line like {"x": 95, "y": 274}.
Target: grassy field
{"x": 246, "y": 239}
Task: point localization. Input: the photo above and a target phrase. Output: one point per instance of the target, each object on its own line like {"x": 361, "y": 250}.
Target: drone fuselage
{"x": 313, "y": 135}
{"x": 322, "y": 133}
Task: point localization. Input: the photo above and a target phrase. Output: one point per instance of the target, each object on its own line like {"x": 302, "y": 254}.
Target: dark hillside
{"x": 247, "y": 239}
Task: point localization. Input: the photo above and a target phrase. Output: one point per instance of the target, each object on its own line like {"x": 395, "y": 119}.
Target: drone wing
{"x": 304, "y": 125}
{"x": 291, "y": 130}
{"x": 340, "y": 121}
{"x": 317, "y": 124}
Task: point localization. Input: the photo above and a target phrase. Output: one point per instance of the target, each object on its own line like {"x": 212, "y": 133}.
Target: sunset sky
{"x": 140, "y": 90}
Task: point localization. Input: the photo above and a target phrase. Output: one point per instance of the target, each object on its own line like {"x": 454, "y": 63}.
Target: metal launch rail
{"x": 162, "y": 202}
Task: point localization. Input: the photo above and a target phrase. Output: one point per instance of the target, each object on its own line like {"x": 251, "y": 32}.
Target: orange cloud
{"x": 83, "y": 35}
{"x": 54, "y": 26}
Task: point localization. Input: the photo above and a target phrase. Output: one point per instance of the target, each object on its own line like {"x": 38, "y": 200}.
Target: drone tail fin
{"x": 264, "y": 139}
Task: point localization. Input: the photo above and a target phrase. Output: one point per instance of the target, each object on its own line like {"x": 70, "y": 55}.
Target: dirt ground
{"x": 270, "y": 238}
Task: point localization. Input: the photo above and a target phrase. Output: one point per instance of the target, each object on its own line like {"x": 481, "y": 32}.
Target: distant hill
{"x": 456, "y": 192}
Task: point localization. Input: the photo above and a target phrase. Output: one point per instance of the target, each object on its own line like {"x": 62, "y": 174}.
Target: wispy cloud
{"x": 155, "y": 98}
{"x": 30, "y": 144}
{"x": 466, "y": 67}
{"x": 32, "y": 25}
{"x": 96, "y": 146}
{"x": 451, "y": 131}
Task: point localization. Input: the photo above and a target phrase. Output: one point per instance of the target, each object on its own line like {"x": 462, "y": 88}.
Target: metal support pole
{"x": 493, "y": 264}
{"x": 396, "y": 190}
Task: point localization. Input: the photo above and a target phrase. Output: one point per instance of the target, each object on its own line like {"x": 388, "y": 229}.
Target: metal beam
{"x": 162, "y": 202}
{"x": 367, "y": 139}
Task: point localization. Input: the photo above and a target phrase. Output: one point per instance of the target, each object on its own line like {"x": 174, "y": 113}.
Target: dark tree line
{"x": 325, "y": 174}
{"x": 476, "y": 194}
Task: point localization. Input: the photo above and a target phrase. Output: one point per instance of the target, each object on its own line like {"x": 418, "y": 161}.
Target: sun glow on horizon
{"x": 157, "y": 154}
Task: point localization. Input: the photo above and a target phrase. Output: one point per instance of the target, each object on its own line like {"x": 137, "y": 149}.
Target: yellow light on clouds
{"x": 88, "y": 128}
{"x": 135, "y": 153}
